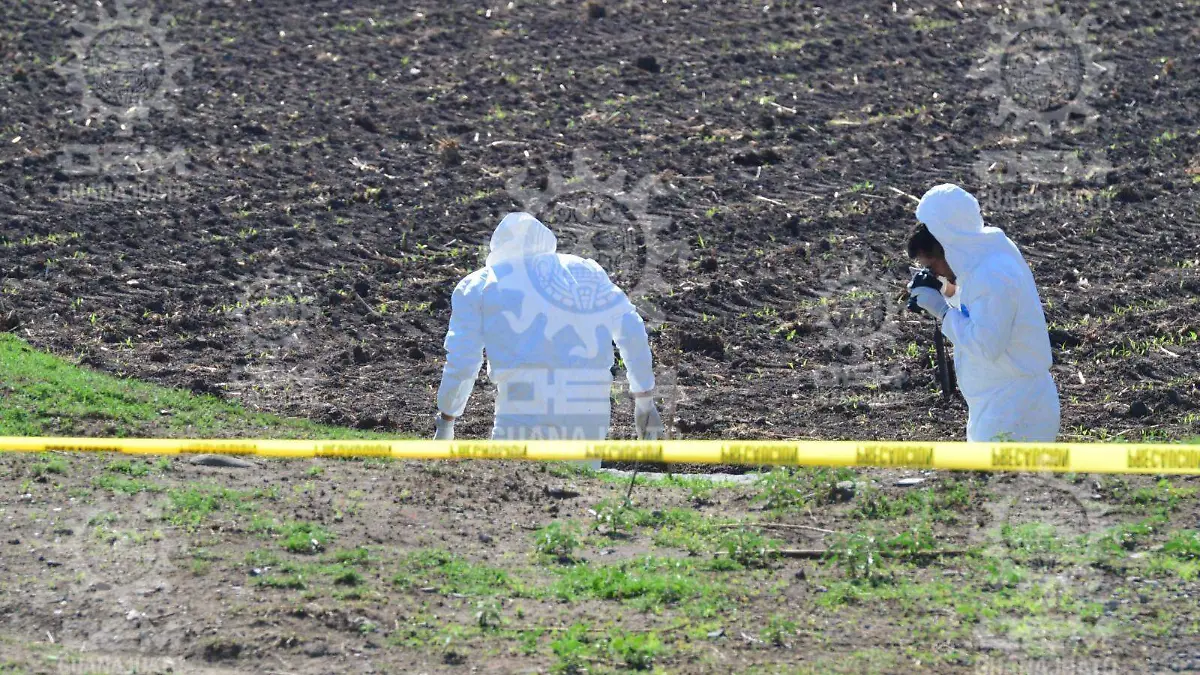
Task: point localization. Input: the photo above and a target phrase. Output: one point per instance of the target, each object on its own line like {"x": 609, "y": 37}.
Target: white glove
{"x": 646, "y": 418}
{"x": 445, "y": 428}
{"x": 932, "y": 301}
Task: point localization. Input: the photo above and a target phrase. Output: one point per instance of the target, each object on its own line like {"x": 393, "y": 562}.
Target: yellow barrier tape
{"x": 1059, "y": 457}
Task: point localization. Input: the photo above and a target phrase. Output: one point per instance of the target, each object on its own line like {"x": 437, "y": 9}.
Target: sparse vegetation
{"x": 745, "y": 172}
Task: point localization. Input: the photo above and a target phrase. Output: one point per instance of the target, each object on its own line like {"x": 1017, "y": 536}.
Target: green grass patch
{"x": 54, "y": 465}
{"x": 45, "y": 395}
{"x": 348, "y": 577}
{"x": 133, "y": 468}
{"x": 579, "y": 647}
{"x": 1184, "y": 545}
{"x": 558, "y": 539}
{"x": 943, "y": 503}
{"x": 188, "y": 507}
{"x": 262, "y": 558}
{"x": 129, "y": 486}
{"x": 352, "y": 556}
{"x": 748, "y": 548}
{"x": 649, "y": 583}
{"x": 452, "y": 574}
{"x": 786, "y": 489}
{"x": 305, "y": 537}
{"x": 1034, "y": 540}
{"x": 283, "y": 581}
{"x": 1120, "y": 540}
{"x": 678, "y": 528}
{"x": 1162, "y": 497}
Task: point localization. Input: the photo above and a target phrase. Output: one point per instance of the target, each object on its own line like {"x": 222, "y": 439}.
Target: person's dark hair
{"x": 922, "y": 242}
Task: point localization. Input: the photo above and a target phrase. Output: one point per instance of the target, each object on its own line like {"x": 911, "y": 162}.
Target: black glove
{"x": 922, "y": 278}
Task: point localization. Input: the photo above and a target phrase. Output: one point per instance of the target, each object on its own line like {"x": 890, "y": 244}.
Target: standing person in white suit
{"x": 1001, "y": 345}
{"x": 547, "y": 322}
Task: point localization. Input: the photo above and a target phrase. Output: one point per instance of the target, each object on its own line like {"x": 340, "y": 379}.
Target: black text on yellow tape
{"x": 1031, "y": 457}
{"x": 759, "y": 453}
{"x": 489, "y": 450}
{"x": 626, "y": 452}
{"x": 894, "y": 455}
{"x": 219, "y": 448}
{"x": 354, "y": 450}
{"x": 1177, "y": 459}
{"x": 82, "y": 448}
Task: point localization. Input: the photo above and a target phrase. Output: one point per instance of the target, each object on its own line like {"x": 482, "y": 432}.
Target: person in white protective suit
{"x": 1001, "y": 345}
{"x": 547, "y": 322}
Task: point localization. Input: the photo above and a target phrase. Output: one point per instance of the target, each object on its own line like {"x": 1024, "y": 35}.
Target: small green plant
{"x": 452, "y": 574}
{"x": 573, "y": 650}
{"x": 1124, "y": 538}
{"x": 55, "y": 465}
{"x": 259, "y": 558}
{"x": 487, "y": 614}
{"x": 557, "y": 539}
{"x": 785, "y": 489}
{"x": 781, "y": 489}
{"x": 649, "y": 583}
{"x": 1162, "y": 496}
{"x": 1030, "y": 539}
{"x": 748, "y": 548}
{"x": 616, "y": 516}
{"x": 305, "y": 537}
{"x": 347, "y": 577}
{"x": 286, "y": 581}
{"x": 916, "y": 540}
{"x": 129, "y": 486}
{"x": 1183, "y": 545}
{"x": 778, "y": 630}
{"x": 135, "y": 468}
{"x": 529, "y": 641}
{"x": 1002, "y": 573}
{"x": 353, "y": 556}
{"x": 858, "y": 556}
{"x": 638, "y": 651}
{"x": 189, "y": 506}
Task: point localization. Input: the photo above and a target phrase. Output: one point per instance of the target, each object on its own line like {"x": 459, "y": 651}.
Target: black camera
{"x": 923, "y": 278}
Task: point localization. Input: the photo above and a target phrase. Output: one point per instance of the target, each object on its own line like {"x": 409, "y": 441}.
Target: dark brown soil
{"x": 343, "y": 167}
{"x": 356, "y": 158}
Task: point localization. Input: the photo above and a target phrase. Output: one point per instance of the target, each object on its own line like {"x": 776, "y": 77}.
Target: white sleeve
{"x": 630, "y": 335}
{"x": 985, "y": 328}
{"x": 464, "y": 347}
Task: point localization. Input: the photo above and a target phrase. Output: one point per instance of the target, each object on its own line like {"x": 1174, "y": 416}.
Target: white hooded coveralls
{"x": 1001, "y": 345}
{"x": 547, "y": 322}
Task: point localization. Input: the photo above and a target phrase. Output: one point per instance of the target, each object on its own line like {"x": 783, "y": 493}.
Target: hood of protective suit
{"x": 953, "y": 217}
{"x": 520, "y": 235}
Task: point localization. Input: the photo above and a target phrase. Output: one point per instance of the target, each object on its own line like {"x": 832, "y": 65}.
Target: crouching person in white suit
{"x": 547, "y": 322}
{"x": 1001, "y": 345}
